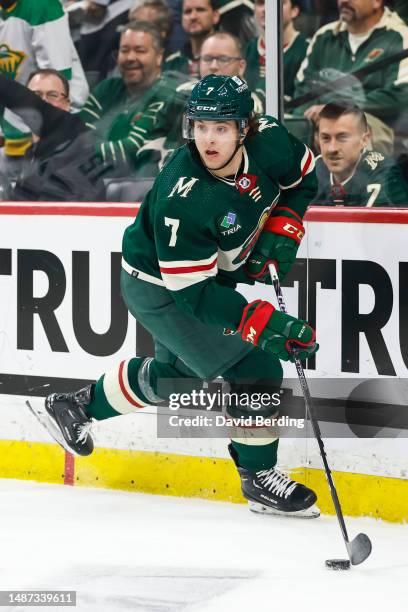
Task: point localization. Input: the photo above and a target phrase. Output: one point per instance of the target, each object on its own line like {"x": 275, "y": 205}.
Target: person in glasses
{"x": 222, "y": 54}
{"x": 61, "y": 164}
{"x": 199, "y": 19}
{"x": 34, "y": 35}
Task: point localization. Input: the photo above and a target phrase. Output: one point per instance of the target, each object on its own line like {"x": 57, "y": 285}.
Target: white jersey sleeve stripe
{"x": 179, "y": 275}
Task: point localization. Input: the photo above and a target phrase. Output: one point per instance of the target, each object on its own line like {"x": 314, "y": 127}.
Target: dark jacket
{"x": 63, "y": 165}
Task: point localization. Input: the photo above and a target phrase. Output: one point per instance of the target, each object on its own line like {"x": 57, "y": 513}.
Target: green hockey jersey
{"x": 255, "y": 58}
{"x": 195, "y": 231}
{"x": 376, "y": 181}
{"x": 183, "y": 63}
{"x": 293, "y": 56}
{"x": 382, "y": 93}
{"x": 131, "y": 130}
{"x": 32, "y": 35}
{"x": 224, "y": 6}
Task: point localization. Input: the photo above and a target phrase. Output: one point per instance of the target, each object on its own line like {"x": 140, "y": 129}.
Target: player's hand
{"x": 276, "y": 332}
{"x": 279, "y": 242}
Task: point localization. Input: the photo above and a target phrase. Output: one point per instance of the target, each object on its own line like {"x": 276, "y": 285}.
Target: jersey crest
{"x": 249, "y": 243}
{"x": 181, "y": 188}
{"x": 10, "y": 60}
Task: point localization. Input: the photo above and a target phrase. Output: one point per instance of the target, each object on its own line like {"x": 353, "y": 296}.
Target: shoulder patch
{"x": 373, "y": 158}
{"x": 265, "y": 124}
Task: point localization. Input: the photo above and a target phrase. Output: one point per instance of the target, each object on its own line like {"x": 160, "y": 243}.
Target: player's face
{"x": 199, "y": 18}
{"x": 138, "y": 61}
{"x": 259, "y": 12}
{"x": 215, "y": 141}
{"x": 289, "y": 12}
{"x": 218, "y": 56}
{"x": 51, "y": 89}
{"x": 352, "y": 11}
{"x": 341, "y": 143}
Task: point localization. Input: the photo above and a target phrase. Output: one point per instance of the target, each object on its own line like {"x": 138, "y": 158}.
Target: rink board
{"x": 62, "y": 323}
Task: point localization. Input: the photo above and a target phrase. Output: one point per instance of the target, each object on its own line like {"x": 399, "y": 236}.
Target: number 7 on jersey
{"x": 174, "y": 224}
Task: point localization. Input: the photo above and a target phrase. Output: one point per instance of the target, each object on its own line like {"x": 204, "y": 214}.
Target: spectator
{"x": 32, "y": 39}
{"x": 99, "y": 36}
{"x": 61, "y": 164}
{"x": 178, "y": 36}
{"x": 127, "y": 111}
{"x": 222, "y": 53}
{"x": 199, "y": 20}
{"x": 294, "y": 48}
{"x": 349, "y": 174}
{"x": 401, "y": 7}
{"x": 255, "y": 51}
{"x": 158, "y": 13}
{"x": 367, "y": 32}
{"x": 237, "y": 17}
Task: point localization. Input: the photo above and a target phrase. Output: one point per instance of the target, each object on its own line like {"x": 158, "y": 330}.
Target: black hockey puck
{"x": 338, "y": 564}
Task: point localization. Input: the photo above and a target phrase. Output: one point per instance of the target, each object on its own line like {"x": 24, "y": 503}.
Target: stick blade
{"x": 359, "y": 548}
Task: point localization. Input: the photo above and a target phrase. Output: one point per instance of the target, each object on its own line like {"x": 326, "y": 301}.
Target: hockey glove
{"x": 279, "y": 242}
{"x": 276, "y": 332}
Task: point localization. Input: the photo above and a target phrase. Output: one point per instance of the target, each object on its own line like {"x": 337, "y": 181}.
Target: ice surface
{"x": 125, "y": 551}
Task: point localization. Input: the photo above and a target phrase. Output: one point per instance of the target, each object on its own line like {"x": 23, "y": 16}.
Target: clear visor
{"x": 188, "y": 127}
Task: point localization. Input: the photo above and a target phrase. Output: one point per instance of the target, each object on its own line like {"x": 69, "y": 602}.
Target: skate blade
{"x": 48, "y": 423}
{"x": 308, "y": 513}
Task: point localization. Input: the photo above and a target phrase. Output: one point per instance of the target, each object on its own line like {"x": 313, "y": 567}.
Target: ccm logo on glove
{"x": 281, "y": 226}
{"x": 292, "y": 229}
{"x": 276, "y": 332}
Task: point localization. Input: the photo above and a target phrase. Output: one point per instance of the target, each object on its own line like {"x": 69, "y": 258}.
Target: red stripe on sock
{"x": 123, "y": 388}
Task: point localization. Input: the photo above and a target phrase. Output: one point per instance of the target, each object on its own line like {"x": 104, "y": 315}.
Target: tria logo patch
{"x": 245, "y": 182}
{"x": 229, "y": 220}
{"x": 229, "y": 223}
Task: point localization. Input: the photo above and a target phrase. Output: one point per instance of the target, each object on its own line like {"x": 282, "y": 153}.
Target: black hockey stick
{"x": 359, "y": 548}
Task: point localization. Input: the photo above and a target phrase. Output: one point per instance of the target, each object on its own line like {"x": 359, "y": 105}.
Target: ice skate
{"x": 65, "y": 419}
{"x": 271, "y": 492}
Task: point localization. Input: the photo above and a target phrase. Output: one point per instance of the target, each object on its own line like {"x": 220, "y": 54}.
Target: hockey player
{"x": 211, "y": 220}
{"x": 348, "y": 173}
